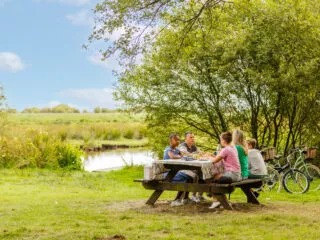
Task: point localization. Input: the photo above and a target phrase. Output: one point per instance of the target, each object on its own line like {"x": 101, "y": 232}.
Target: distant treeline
{"x": 62, "y": 108}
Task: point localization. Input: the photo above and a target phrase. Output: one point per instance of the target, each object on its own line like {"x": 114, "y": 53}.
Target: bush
{"x": 112, "y": 134}
{"x": 128, "y": 134}
{"x": 38, "y": 149}
{"x": 68, "y": 156}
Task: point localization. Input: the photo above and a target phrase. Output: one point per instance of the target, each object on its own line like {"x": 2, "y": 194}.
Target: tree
{"x": 11, "y": 110}
{"x": 252, "y": 65}
{"x": 141, "y": 22}
{"x": 63, "y": 108}
{"x": 97, "y": 110}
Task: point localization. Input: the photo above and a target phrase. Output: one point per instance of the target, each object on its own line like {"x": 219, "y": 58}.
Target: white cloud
{"x": 92, "y": 97}
{"x": 81, "y": 18}
{"x": 109, "y": 63}
{"x": 10, "y": 62}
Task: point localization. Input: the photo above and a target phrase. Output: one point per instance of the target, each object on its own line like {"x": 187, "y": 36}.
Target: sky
{"x": 42, "y": 62}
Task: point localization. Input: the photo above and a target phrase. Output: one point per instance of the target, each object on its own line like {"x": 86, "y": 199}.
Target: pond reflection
{"x": 109, "y": 160}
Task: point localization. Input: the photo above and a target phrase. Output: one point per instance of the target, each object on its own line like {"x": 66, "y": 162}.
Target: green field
{"x": 87, "y": 129}
{"x": 43, "y": 204}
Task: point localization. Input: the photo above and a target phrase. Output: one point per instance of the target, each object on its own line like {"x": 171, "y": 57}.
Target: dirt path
{"x": 163, "y": 206}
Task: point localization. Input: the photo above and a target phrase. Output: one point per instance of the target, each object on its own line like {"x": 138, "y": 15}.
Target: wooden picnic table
{"x": 203, "y": 168}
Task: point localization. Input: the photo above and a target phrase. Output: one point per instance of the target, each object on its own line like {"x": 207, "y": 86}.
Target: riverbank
{"x": 43, "y": 204}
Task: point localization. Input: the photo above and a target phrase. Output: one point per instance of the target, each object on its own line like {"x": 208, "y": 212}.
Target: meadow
{"x": 55, "y": 140}
{"x": 46, "y": 204}
{"x": 83, "y": 128}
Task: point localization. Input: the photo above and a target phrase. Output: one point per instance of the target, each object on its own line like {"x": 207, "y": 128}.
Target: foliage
{"x": 68, "y": 156}
{"x": 61, "y": 108}
{"x": 40, "y": 150}
{"x": 12, "y": 110}
{"x": 97, "y": 110}
{"x": 252, "y": 65}
{"x": 52, "y": 140}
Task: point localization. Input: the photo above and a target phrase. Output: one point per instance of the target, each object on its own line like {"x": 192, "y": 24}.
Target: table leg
{"x": 222, "y": 198}
{"x": 170, "y": 175}
{"x": 251, "y": 198}
{"x": 154, "y": 197}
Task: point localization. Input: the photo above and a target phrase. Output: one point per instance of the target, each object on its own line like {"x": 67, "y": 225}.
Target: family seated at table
{"x": 239, "y": 159}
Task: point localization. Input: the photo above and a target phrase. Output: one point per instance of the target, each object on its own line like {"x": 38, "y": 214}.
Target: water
{"x": 105, "y": 161}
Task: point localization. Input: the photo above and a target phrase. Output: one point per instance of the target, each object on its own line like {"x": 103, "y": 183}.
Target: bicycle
{"x": 312, "y": 171}
{"x": 293, "y": 180}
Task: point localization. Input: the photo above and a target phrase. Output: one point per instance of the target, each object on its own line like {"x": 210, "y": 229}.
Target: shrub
{"x": 112, "y": 134}
{"x": 128, "y": 134}
{"x": 68, "y": 156}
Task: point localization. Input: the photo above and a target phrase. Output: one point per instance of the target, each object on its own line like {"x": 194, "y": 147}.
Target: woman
{"x": 239, "y": 142}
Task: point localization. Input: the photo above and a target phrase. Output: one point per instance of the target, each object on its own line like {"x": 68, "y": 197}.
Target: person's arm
{"x": 184, "y": 151}
{"x": 172, "y": 156}
{"x": 216, "y": 159}
{"x": 219, "y": 157}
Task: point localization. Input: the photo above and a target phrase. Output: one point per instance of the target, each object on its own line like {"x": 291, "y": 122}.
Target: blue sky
{"x": 42, "y": 62}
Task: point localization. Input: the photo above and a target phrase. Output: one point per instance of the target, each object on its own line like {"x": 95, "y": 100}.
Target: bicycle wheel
{"x": 272, "y": 180}
{"x": 295, "y": 181}
{"x": 313, "y": 172}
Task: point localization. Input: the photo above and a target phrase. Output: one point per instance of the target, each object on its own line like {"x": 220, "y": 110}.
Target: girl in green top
{"x": 239, "y": 142}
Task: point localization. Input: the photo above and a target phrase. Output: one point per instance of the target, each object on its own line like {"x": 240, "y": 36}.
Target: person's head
{"x": 251, "y": 143}
{"x": 226, "y": 138}
{"x": 189, "y": 138}
{"x": 238, "y": 138}
{"x": 174, "y": 140}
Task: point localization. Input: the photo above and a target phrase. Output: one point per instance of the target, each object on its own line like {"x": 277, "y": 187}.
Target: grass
{"x": 86, "y": 129}
{"x": 43, "y": 204}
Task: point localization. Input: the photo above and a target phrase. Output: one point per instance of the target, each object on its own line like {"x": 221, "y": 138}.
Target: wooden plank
{"x": 154, "y": 197}
{"x": 222, "y": 198}
{"x": 187, "y": 187}
{"x": 247, "y": 181}
{"x": 251, "y": 198}
{"x": 254, "y": 183}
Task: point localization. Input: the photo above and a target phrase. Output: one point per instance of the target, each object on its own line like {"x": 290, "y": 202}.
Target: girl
{"x": 232, "y": 169}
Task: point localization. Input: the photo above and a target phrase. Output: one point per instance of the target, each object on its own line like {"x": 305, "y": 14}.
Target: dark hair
{"x": 227, "y": 136}
{"x": 187, "y": 133}
{"x": 174, "y": 135}
{"x": 252, "y": 142}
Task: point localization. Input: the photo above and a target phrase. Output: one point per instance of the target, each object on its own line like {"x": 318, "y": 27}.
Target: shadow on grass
{"x": 163, "y": 207}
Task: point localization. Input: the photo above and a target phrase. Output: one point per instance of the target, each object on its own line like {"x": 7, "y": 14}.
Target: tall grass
{"x": 53, "y": 140}
{"x": 37, "y": 149}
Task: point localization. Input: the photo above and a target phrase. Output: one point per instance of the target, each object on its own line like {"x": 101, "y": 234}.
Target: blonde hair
{"x": 238, "y": 138}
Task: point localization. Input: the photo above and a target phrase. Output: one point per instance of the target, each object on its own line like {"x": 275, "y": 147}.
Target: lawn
{"x": 44, "y": 204}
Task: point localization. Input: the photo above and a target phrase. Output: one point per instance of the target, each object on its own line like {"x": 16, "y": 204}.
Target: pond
{"x": 117, "y": 159}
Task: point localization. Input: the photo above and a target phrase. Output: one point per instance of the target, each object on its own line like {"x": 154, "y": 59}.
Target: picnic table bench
{"x": 218, "y": 190}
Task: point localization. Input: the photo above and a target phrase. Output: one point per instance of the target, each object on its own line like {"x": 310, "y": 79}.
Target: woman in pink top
{"x": 232, "y": 170}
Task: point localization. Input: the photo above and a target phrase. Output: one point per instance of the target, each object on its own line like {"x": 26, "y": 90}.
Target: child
{"x": 172, "y": 152}
{"x": 232, "y": 168}
{"x": 239, "y": 143}
{"x": 257, "y": 167}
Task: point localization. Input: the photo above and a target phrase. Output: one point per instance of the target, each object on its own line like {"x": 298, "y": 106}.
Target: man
{"x": 188, "y": 148}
